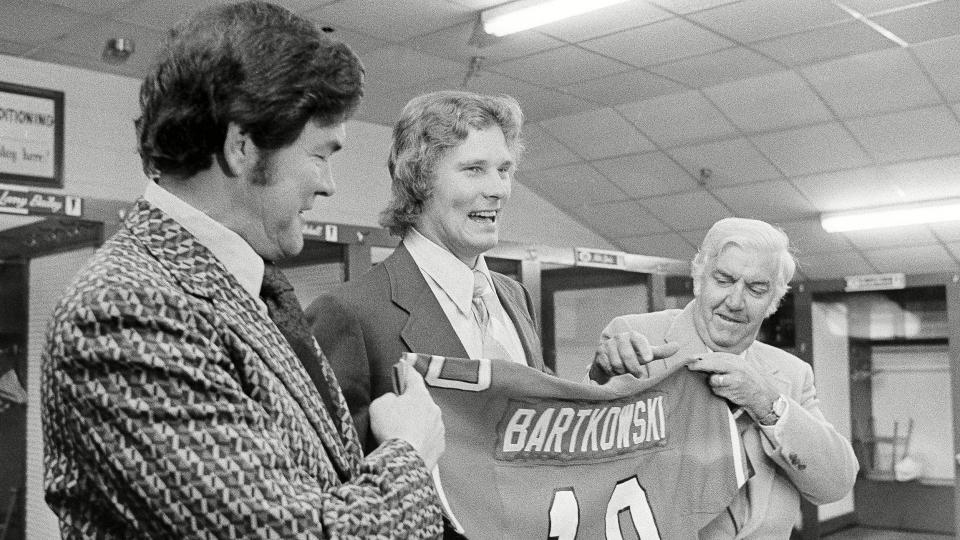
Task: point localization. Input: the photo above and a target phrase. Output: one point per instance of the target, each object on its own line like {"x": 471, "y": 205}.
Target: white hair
{"x": 747, "y": 234}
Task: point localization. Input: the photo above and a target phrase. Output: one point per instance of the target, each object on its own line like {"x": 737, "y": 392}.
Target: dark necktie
{"x": 284, "y": 310}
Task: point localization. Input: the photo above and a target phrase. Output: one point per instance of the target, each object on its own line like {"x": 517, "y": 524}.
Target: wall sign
{"x": 600, "y": 258}
{"x": 31, "y": 135}
{"x": 33, "y": 203}
{"x": 875, "y": 282}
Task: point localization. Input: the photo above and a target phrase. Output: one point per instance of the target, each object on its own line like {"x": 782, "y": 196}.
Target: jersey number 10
{"x": 627, "y": 495}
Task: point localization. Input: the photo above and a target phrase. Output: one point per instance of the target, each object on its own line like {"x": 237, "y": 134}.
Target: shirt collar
{"x": 449, "y": 272}
{"x": 227, "y": 246}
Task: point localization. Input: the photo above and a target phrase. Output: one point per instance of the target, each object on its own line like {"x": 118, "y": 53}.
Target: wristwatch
{"x": 777, "y": 410}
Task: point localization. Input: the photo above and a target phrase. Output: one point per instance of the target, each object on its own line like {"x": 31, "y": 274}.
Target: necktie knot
{"x": 480, "y": 288}
{"x": 274, "y": 284}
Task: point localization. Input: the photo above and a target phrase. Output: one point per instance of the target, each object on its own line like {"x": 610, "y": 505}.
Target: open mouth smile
{"x": 484, "y": 216}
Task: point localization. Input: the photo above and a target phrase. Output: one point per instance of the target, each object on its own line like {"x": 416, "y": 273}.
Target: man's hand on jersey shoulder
{"x": 627, "y": 352}
{"x": 737, "y": 381}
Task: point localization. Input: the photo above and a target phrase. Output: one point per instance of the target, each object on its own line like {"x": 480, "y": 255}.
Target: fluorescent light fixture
{"x": 526, "y": 14}
{"x": 891, "y": 216}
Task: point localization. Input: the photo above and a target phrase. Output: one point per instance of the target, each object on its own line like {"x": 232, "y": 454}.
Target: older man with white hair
{"x": 740, "y": 274}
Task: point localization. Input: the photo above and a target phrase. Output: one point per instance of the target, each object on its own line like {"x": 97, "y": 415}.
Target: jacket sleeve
{"x": 156, "y": 426}
{"x": 808, "y": 449}
{"x": 340, "y": 335}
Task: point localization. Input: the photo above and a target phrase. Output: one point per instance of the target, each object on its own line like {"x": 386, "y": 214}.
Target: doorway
{"x": 886, "y": 365}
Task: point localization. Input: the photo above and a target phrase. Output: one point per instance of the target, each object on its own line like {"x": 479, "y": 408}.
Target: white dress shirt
{"x": 227, "y": 246}
{"x": 452, "y": 284}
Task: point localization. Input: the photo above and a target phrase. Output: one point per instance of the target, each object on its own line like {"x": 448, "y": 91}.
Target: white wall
{"x": 100, "y": 158}
{"x": 99, "y": 154}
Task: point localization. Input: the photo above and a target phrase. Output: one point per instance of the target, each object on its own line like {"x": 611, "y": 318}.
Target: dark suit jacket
{"x": 364, "y": 325}
{"x": 174, "y": 407}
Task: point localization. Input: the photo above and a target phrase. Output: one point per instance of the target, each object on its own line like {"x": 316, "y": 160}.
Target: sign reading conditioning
{"x": 31, "y": 135}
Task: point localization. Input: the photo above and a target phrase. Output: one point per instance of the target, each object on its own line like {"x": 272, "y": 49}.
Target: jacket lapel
{"x": 203, "y": 275}
{"x": 521, "y": 321}
{"x": 427, "y": 329}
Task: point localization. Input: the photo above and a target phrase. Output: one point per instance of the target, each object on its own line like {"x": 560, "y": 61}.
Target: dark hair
{"x": 430, "y": 126}
{"x": 252, "y": 63}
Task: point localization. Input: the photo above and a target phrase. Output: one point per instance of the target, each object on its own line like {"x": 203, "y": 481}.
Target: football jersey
{"x": 529, "y": 455}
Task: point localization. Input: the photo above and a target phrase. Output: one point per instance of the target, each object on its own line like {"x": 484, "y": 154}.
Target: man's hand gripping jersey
{"x": 532, "y": 456}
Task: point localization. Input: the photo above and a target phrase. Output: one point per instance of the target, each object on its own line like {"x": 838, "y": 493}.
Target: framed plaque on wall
{"x": 31, "y": 136}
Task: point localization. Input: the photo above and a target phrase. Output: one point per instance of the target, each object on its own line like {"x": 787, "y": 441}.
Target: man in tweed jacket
{"x": 173, "y": 404}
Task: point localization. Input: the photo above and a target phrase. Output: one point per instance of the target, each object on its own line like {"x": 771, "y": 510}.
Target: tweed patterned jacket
{"x": 173, "y": 407}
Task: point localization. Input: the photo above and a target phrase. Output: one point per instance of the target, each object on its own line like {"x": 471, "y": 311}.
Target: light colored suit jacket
{"x": 365, "y": 324}
{"x": 811, "y": 459}
{"x": 174, "y": 407}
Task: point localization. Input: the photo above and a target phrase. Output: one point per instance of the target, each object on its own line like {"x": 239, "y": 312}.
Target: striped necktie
{"x": 492, "y": 346}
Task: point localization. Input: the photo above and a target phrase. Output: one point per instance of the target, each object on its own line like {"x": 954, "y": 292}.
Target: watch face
{"x": 779, "y": 406}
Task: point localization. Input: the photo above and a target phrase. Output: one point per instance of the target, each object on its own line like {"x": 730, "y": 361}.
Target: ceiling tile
{"x": 55, "y": 56}
{"x": 646, "y": 175}
{"x": 359, "y": 42}
{"x": 597, "y": 134}
{"x": 843, "y": 39}
{"x": 912, "y": 260}
{"x": 677, "y": 119}
{"x": 689, "y": 6}
{"x": 670, "y": 245}
{"x": 477, "y": 5}
{"x": 731, "y": 161}
{"x": 847, "y": 190}
{"x": 695, "y": 237}
{"x": 578, "y": 65}
{"x": 753, "y": 20}
{"x": 947, "y": 231}
{"x": 398, "y": 67}
{"x": 455, "y": 43}
{"x": 89, "y": 40}
{"x": 396, "y": 20}
{"x": 832, "y": 265}
{"x": 807, "y": 237}
{"x": 715, "y": 68}
{"x": 14, "y": 49}
{"x": 382, "y": 104}
{"x": 624, "y": 218}
{"x": 871, "y": 7}
{"x": 659, "y": 42}
{"x": 914, "y": 134}
{"x": 777, "y": 100}
{"x": 812, "y": 149}
{"x": 874, "y": 82}
{"x": 773, "y": 201}
{"x": 910, "y": 235}
{"x": 924, "y": 22}
{"x": 302, "y": 6}
{"x": 35, "y": 22}
{"x": 542, "y": 150}
{"x": 605, "y": 21}
{"x": 624, "y": 87}
{"x": 161, "y": 15}
{"x": 538, "y": 103}
{"x": 687, "y": 211}
{"x": 925, "y": 180}
{"x": 91, "y": 6}
{"x": 954, "y": 248}
{"x": 939, "y": 59}
{"x": 571, "y": 185}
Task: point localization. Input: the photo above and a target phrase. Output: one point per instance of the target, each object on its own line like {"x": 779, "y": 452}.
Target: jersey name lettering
{"x": 580, "y": 431}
